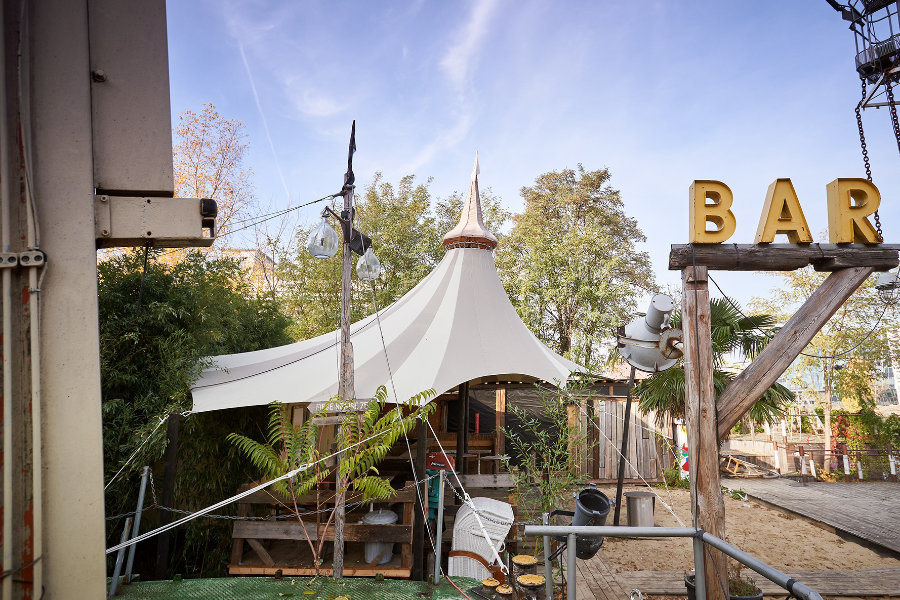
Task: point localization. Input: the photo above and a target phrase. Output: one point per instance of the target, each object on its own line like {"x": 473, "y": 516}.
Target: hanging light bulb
{"x": 323, "y": 242}
{"x": 368, "y": 267}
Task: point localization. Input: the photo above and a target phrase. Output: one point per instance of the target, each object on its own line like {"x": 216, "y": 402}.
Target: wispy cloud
{"x": 462, "y": 56}
{"x": 310, "y": 100}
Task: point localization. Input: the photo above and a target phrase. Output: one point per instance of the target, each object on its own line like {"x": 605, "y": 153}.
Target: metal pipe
{"x": 624, "y": 452}
{"x": 37, "y": 450}
{"x": 570, "y": 567}
{"x": 440, "y": 529}
{"x": 115, "y": 578}
{"x": 773, "y": 575}
{"x": 699, "y": 570}
{"x": 609, "y": 530}
{"x": 137, "y": 523}
{"x": 6, "y": 301}
{"x": 548, "y": 565}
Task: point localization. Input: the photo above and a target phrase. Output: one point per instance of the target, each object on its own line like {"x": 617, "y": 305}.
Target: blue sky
{"x": 661, "y": 93}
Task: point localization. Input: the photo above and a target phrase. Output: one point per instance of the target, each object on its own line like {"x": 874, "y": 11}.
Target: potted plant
{"x": 739, "y": 587}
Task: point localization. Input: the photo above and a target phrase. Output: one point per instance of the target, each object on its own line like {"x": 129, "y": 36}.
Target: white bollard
{"x": 812, "y": 465}
{"x": 846, "y": 466}
{"x": 778, "y": 459}
{"x": 859, "y": 468}
{"x": 893, "y": 462}
{"x": 803, "y": 464}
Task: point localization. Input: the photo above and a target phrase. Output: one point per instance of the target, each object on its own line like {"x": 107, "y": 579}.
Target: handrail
{"x": 790, "y": 584}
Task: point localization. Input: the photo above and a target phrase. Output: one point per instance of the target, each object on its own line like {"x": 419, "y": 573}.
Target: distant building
{"x": 258, "y": 265}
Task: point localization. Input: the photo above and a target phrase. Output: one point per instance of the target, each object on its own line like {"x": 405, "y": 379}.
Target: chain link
{"x": 865, "y": 150}
{"x": 285, "y": 516}
{"x": 892, "y": 107}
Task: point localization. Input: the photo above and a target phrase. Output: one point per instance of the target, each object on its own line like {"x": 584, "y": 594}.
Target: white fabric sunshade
{"x": 456, "y": 325}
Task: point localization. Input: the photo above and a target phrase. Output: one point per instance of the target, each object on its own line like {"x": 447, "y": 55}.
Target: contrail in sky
{"x": 263, "y": 117}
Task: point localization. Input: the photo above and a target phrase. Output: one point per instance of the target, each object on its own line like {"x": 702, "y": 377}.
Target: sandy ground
{"x": 784, "y": 541}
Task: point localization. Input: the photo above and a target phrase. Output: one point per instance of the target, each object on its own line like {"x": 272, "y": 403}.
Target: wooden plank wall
{"x": 648, "y": 451}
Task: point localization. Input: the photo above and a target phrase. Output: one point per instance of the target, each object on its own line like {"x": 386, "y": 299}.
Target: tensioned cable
{"x": 770, "y": 336}
{"x": 267, "y": 217}
{"x": 431, "y": 538}
{"x": 133, "y": 454}
{"x": 237, "y": 497}
{"x": 633, "y": 468}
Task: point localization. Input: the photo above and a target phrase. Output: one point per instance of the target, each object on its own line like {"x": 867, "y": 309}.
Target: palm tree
{"x": 732, "y": 332}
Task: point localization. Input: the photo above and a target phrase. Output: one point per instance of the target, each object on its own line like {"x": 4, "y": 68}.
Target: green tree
{"x": 208, "y": 161}
{"x": 846, "y": 352}
{"x": 732, "y": 333}
{"x": 150, "y": 354}
{"x": 571, "y": 263}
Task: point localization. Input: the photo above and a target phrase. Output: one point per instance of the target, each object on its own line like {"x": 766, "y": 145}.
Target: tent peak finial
{"x": 471, "y": 231}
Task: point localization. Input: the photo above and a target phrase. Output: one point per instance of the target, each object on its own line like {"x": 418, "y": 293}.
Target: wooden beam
{"x": 418, "y": 541}
{"x": 782, "y": 257}
{"x": 787, "y": 344}
{"x": 499, "y": 426}
{"x": 700, "y": 410}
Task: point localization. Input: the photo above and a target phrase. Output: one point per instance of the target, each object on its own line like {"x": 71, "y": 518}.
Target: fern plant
{"x": 288, "y": 447}
{"x": 368, "y": 435}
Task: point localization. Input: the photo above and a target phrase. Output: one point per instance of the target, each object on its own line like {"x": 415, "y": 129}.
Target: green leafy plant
{"x": 542, "y": 450}
{"x": 368, "y": 435}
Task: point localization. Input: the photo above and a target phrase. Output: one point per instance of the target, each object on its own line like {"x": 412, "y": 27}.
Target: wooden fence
{"x": 650, "y": 448}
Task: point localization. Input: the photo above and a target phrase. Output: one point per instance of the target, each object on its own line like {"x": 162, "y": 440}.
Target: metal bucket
{"x": 591, "y": 508}
{"x": 640, "y": 508}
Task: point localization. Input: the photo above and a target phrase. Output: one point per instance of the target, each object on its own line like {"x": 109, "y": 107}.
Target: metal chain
{"x": 892, "y": 107}
{"x": 238, "y": 518}
{"x": 865, "y": 150}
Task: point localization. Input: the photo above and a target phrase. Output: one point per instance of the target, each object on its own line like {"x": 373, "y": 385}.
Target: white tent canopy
{"x": 456, "y": 325}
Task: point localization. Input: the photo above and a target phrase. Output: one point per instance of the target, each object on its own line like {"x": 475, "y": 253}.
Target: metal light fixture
{"x": 368, "y": 267}
{"x": 323, "y": 242}
{"x": 888, "y": 286}
{"x": 648, "y": 343}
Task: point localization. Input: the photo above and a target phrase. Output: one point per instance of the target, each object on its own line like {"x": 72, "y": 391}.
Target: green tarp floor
{"x": 300, "y": 588}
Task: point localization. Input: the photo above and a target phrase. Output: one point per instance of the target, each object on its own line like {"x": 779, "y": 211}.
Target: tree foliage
{"x": 208, "y": 161}
{"x": 150, "y": 355}
{"x": 848, "y": 351}
{"x": 571, "y": 263}
{"x": 733, "y": 334}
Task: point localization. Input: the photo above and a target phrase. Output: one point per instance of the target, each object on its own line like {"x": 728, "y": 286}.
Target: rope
{"x": 133, "y": 454}
{"x": 629, "y": 463}
{"x": 237, "y": 497}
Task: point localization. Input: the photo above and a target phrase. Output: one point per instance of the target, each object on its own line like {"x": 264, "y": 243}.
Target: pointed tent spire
{"x": 471, "y": 232}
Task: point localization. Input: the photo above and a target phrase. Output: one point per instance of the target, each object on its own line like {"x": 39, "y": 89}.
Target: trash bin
{"x": 383, "y": 551}
{"x": 640, "y": 508}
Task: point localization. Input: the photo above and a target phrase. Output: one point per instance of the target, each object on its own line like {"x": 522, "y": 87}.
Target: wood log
{"x": 700, "y": 411}
{"x": 787, "y": 344}
{"x": 782, "y": 257}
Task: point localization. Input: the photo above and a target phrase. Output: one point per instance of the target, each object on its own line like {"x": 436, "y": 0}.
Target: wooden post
{"x": 624, "y": 451}
{"x": 168, "y": 496}
{"x": 708, "y": 508}
{"x": 787, "y": 344}
{"x": 462, "y": 432}
{"x": 418, "y": 542}
{"x": 499, "y": 425}
{"x": 802, "y": 466}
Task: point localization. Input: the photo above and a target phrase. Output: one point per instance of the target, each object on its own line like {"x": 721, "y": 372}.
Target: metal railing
{"x": 699, "y": 536}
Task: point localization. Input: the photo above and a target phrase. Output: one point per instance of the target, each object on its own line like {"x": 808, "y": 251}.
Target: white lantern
{"x": 323, "y": 242}
{"x": 368, "y": 267}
